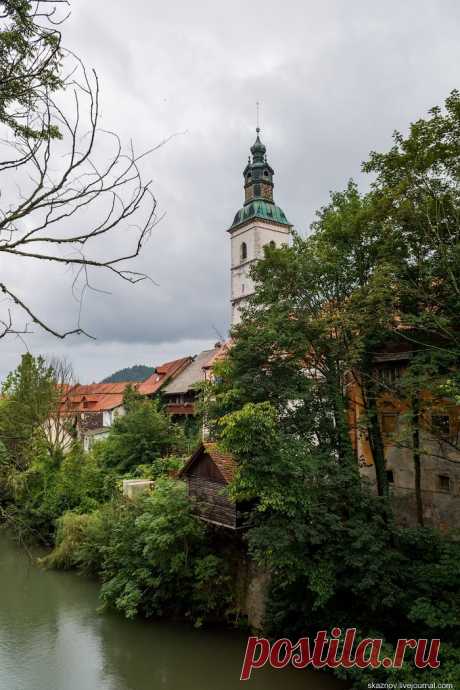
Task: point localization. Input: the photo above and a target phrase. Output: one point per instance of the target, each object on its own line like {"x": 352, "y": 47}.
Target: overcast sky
{"x": 334, "y": 79}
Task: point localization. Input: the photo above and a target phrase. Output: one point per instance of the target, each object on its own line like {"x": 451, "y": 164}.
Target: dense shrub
{"x": 51, "y": 485}
{"x": 144, "y": 436}
{"x": 152, "y": 555}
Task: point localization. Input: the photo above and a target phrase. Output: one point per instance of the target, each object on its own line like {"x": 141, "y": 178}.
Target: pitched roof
{"x": 97, "y": 397}
{"x": 94, "y": 397}
{"x": 162, "y": 374}
{"x": 191, "y": 374}
{"x": 225, "y": 462}
{"x": 219, "y": 353}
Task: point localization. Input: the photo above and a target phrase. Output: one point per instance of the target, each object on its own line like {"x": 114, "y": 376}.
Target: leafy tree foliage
{"x": 49, "y": 486}
{"x": 30, "y": 64}
{"x": 29, "y": 395}
{"x": 416, "y": 200}
{"x": 152, "y": 555}
{"x": 144, "y": 436}
{"x": 379, "y": 270}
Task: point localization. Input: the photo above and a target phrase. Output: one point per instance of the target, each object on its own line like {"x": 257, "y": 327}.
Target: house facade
{"x": 438, "y": 439}
{"x": 181, "y": 393}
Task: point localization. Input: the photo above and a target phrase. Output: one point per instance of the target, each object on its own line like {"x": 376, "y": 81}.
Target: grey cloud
{"x": 335, "y": 79}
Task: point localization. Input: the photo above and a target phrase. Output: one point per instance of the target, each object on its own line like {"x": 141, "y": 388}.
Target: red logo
{"x": 324, "y": 652}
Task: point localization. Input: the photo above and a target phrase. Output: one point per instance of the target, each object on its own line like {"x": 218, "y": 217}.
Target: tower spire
{"x": 258, "y": 223}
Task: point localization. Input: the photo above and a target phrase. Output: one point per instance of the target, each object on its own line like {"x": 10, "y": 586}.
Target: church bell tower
{"x": 258, "y": 223}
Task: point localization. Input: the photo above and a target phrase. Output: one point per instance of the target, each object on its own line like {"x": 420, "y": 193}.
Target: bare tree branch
{"x": 57, "y": 167}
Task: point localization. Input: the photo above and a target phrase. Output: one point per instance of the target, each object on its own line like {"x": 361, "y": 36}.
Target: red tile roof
{"x": 225, "y": 462}
{"x": 97, "y": 397}
{"x": 93, "y": 397}
{"x": 162, "y": 374}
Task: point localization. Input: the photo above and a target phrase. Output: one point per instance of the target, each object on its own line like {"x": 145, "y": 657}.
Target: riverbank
{"x": 52, "y": 638}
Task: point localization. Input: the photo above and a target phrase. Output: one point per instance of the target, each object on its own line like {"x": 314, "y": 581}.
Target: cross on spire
{"x": 258, "y": 113}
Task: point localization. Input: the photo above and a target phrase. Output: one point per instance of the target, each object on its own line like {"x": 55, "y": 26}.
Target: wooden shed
{"x": 208, "y": 473}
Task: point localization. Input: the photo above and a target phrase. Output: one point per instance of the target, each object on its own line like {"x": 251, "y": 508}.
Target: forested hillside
{"x": 138, "y": 372}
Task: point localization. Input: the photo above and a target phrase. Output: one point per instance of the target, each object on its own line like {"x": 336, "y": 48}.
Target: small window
{"x": 244, "y": 251}
{"x": 272, "y": 244}
{"x": 390, "y": 477}
{"x": 389, "y": 422}
{"x": 242, "y": 288}
{"x": 266, "y": 173}
{"x": 443, "y": 482}
{"x": 440, "y": 425}
{"x": 390, "y": 374}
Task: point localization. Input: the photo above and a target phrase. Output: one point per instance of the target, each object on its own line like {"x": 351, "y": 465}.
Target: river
{"x": 52, "y": 638}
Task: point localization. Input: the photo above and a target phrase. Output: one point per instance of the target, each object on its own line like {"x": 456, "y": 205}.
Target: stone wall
{"x": 441, "y": 498}
{"x": 252, "y": 584}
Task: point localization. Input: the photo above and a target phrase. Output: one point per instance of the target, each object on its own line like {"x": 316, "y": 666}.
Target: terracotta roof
{"x": 162, "y": 374}
{"x": 97, "y": 397}
{"x": 225, "y": 462}
{"x": 94, "y": 397}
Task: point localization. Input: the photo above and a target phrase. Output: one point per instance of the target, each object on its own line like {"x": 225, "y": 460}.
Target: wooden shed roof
{"x": 225, "y": 462}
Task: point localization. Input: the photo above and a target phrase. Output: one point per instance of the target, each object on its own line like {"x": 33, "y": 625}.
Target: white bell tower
{"x": 260, "y": 222}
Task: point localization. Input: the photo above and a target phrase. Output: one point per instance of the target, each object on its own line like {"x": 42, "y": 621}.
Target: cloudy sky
{"x": 334, "y": 79}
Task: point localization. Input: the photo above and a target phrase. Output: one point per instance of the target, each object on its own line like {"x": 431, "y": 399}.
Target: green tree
{"x": 416, "y": 200}
{"x": 334, "y": 557}
{"x": 379, "y": 271}
{"x": 29, "y": 395}
{"x": 51, "y": 485}
{"x": 143, "y": 436}
{"x": 153, "y": 556}
{"x": 30, "y": 65}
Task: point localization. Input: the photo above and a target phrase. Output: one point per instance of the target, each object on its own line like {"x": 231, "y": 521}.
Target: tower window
{"x": 390, "y": 477}
{"x": 243, "y": 251}
{"x": 266, "y": 173}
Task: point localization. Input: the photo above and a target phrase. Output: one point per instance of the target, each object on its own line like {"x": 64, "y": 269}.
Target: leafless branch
{"x": 53, "y": 179}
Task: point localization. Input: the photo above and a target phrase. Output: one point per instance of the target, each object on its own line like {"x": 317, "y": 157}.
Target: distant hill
{"x": 138, "y": 372}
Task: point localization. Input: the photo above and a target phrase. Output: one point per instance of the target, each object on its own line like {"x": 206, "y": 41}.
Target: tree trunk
{"x": 416, "y": 457}
{"x": 376, "y": 443}
{"x": 369, "y": 390}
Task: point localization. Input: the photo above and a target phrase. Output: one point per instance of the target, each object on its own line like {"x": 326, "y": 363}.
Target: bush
{"x": 152, "y": 555}
{"x": 144, "y": 436}
{"x": 50, "y": 486}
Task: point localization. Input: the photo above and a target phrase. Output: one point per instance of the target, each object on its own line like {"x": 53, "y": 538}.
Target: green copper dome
{"x": 264, "y": 210}
{"x": 258, "y": 190}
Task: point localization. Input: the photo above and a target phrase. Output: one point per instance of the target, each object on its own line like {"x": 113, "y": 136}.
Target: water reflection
{"x": 51, "y": 638}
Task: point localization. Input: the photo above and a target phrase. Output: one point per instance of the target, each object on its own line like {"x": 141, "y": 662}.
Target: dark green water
{"x": 52, "y": 638}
